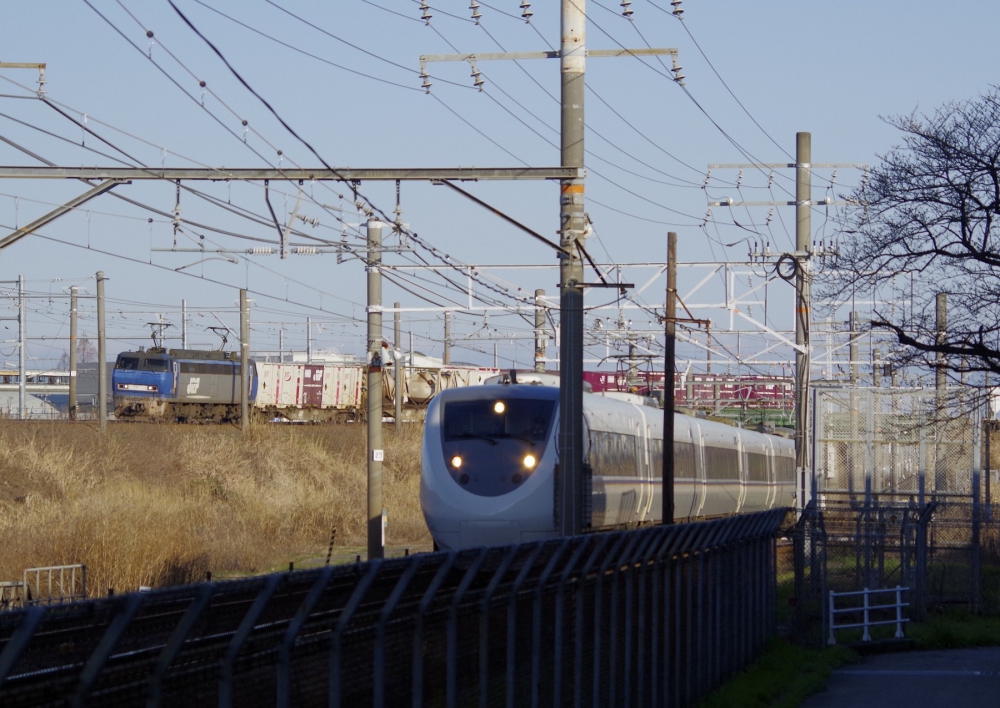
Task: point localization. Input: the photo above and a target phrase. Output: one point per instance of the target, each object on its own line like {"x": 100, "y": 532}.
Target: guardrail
{"x": 866, "y": 609}
{"x": 658, "y": 616}
{"x": 55, "y": 584}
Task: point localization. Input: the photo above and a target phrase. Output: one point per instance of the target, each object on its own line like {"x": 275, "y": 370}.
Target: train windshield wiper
{"x": 516, "y": 437}
{"x": 475, "y": 436}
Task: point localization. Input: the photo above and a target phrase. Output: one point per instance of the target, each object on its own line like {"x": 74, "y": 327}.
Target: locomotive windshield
{"x": 521, "y": 418}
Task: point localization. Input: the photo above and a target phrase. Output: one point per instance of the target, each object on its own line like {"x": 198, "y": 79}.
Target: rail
{"x": 658, "y": 616}
{"x": 866, "y": 609}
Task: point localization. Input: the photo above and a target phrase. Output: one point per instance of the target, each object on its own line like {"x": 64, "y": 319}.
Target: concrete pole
{"x": 940, "y": 384}
{"x": 572, "y": 221}
{"x": 632, "y": 378}
{"x": 22, "y": 352}
{"x": 496, "y": 356}
{"x": 102, "y": 364}
{"x": 447, "y": 338}
{"x": 244, "y": 361}
{"x": 669, "y": 369}
{"x": 281, "y": 345}
{"x": 941, "y": 311}
{"x": 376, "y": 540}
{"x": 803, "y": 232}
{"x": 73, "y": 317}
{"x": 309, "y": 339}
{"x": 397, "y": 368}
{"x": 539, "y": 330}
{"x": 184, "y": 324}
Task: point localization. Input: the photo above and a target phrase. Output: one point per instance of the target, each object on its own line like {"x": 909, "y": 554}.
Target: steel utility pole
{"x": 244, "y": 361}
{"x": 447, "y": 338}
{"x": 539, "y": 330}
{"x": 102, "y": 364}
{"x": 73, "y": 316}
{"x": 569, "y": 506}
{"x": 803, "y": 233}
{"x": 184, "y": 324}
{"x": 376, "y": 529}
{"x": 572, "y": 220}
{"x": 309, "y": 339}
{"x": 22, "y": 353}
{"x": 669, "y": 352}
{"x": 397, "y": 369}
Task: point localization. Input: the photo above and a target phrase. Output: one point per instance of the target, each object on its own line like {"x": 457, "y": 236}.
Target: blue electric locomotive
{"x": 180, "y": 385}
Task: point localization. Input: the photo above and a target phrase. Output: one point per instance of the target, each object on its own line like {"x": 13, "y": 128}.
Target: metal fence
{"x": 941, "y": 549}
{"x": 657, "y": 617}
{"x": 898, "y": 442}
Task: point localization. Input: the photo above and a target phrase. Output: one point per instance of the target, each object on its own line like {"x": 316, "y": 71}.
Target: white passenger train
{"x": 489, "y": 454}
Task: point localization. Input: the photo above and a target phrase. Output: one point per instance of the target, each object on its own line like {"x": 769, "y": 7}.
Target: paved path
{"x": 918, "y": 679}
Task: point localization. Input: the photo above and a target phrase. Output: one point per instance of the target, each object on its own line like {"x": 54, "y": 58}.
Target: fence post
{"x": 899, "y": 612}
{"x": 176, "y": 641}
{"x": 336, "y": 695}
{"x": 99, "y": 657}
{"x": 451, "y": 678}
{"x": 976, "y": 519}
{"x": 284, "y": 678}
{"x": 484, "y": 624}
{"x": 418, "y": 629}
{"x": 866, "y": 637}
{"x": 515, "y": 590}
{"x": 19, "y": 640}
{"x": 830, "y": 613}
{"x": 378, "y": 680}
{"x": 246, "y": 626}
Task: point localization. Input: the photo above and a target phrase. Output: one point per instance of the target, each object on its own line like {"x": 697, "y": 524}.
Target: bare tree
{"x": 85, "y": 351}
{"x": 925, "y": 222}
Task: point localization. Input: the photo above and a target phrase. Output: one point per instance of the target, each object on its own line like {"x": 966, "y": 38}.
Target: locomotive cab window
{"x": 127, "y": 363}
{"x": 156, "y": 365}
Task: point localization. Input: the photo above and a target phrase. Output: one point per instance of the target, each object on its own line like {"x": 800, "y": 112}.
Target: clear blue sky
{"x": 755, "y": 74}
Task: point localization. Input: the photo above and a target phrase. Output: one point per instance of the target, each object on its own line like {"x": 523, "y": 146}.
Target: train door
{"x": 741, "y": 455}
{"x": 312, "y": 386}
{"x": 644, "y": 472}
{"x": 771, "y": 473}
{"x": 698, "y": 487}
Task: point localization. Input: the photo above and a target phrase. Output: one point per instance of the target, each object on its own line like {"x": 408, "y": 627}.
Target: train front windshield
{"x": 491, "y": 447}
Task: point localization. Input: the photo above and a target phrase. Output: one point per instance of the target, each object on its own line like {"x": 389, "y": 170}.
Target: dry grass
{"x": 161, "y": 504}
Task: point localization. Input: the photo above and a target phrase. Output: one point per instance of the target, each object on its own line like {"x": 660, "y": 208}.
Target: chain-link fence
{"x": 895, "y": 442}
{"x": 658, "y": 617}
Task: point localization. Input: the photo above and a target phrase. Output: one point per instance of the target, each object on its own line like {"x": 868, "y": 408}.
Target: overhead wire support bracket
{"x": 531, "y": 232}
{"x": 224, "y": 174}
{"x": 72, "y": 204}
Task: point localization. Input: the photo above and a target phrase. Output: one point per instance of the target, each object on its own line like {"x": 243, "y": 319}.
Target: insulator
{"x": 425, "y": 13}
{"x": 739, "y": 179}
{"x": 526, "y": 12}
{"x": 426, "y": 85}
{"x": 477, "y": 78}
{"x": 626, "y": 10}
{"x": 678, "y": 10}
{"x": 305, "y": 251}
{"x": 476, "y": 14}
{"x": 260, "y": 251}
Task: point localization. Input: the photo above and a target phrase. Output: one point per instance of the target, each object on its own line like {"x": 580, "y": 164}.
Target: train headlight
{"x": 456, "y": 462}
{"x": 530, "y": 461}
{"x": 499, "y": 407}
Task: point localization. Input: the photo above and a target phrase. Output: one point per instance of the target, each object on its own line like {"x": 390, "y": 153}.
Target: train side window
{"x": 722, "y": 463}
{"x": 756, "y": 467}
{"x": 613, "y": 454}
{"x": 656, "y": 458}
{"x": 785, "y": 469}
{"x": 683, "y": 460}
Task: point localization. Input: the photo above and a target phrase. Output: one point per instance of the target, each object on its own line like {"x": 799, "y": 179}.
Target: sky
{"x": 123, "y": 87}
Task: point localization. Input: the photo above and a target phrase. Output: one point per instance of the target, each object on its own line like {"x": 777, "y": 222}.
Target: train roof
{"x": 199, "y": 354}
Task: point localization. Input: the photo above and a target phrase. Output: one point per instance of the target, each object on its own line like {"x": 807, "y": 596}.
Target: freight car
{"x": 159, "y": 385}
{"x": 180, "y": 385}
